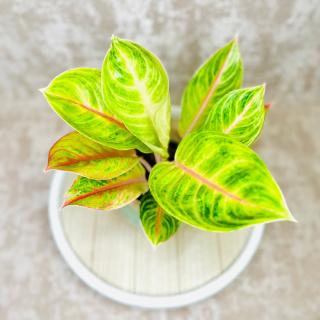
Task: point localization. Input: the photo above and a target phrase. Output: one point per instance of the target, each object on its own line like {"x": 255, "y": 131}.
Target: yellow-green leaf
{"x": 75, "y": 95}
{"x": 76, "y": 153}
{"x": 239, "y": 114}
{"x": 220, "y": 74}
{"x": 217, "y": 184}
{"x": 157, "y": 224}
{"x": 108, "y": 194}
{"x": 136, "y": 89}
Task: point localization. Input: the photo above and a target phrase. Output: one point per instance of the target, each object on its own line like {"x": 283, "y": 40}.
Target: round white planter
{"x": 112, "y": 256}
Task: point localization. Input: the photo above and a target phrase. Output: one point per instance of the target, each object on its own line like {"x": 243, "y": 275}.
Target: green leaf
{"x": 217, "y": 184}
{"x": 239, "y": 114}
{"x": 76, "y": 153}
{"x": 220, "y": 74}
{"x": 136, "y": 89}
{"x": 157, "y": 224}
{"x": 75, "y": 95}
{"x": 108, "y": 194}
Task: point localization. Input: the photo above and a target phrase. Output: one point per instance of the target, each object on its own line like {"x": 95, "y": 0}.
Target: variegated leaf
{"x": 239, "y": 114}
{"x": 217, "y": 184}
{"x": 75, "y": 95}
{"x": 136, "y": 89}
{"x": 157, "y": 224}
{"x": 108, "y": 194}
{"x": 76, "y": 153}
{"x": 220, "y": 74}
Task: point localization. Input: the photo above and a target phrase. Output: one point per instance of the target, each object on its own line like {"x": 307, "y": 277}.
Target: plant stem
{"x": 145, "y": 164}
{"x": 157, "y": 158}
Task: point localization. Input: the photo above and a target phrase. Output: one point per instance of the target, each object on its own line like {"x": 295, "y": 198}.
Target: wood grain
{"x": 117, "y": 250}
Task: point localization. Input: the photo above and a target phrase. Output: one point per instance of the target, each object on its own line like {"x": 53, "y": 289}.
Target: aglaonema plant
{"x": 210, "y": 179}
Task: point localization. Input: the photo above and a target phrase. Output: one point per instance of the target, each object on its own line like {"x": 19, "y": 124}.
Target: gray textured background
{"x": 280, "y": 43}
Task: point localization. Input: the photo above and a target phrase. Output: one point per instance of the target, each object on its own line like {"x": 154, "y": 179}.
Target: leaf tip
{"x": 46, "y": 169}
{"x": 43, "y": 90}
{"x": 65, "y": 204}
{"x": 291, "y": 218}
{"x": 155, "y": 243}
{"x": 236, "y": 38}
{"x": 260, "y": 89}
{"x": 115, "y": 40}
{"x": 153, "y": 239}
{"x": 288, "y": 216}
{"x": 262, "y": 86}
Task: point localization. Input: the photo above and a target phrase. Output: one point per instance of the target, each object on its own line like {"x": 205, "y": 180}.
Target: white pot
{"x": 113, "y": 257}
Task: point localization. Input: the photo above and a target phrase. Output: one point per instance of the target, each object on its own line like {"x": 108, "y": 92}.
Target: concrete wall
{"x": 279, "y": 40}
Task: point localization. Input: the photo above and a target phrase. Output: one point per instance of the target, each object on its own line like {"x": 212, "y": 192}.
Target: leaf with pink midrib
{"x": 76, "y": 153}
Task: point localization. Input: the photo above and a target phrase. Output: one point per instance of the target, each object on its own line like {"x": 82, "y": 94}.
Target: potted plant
{"x": 196, "y": 170}
{"x": 211, "y": 179}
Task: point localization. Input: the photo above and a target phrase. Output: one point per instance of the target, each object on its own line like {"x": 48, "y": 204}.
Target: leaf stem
{"x": 145, "y": 164}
